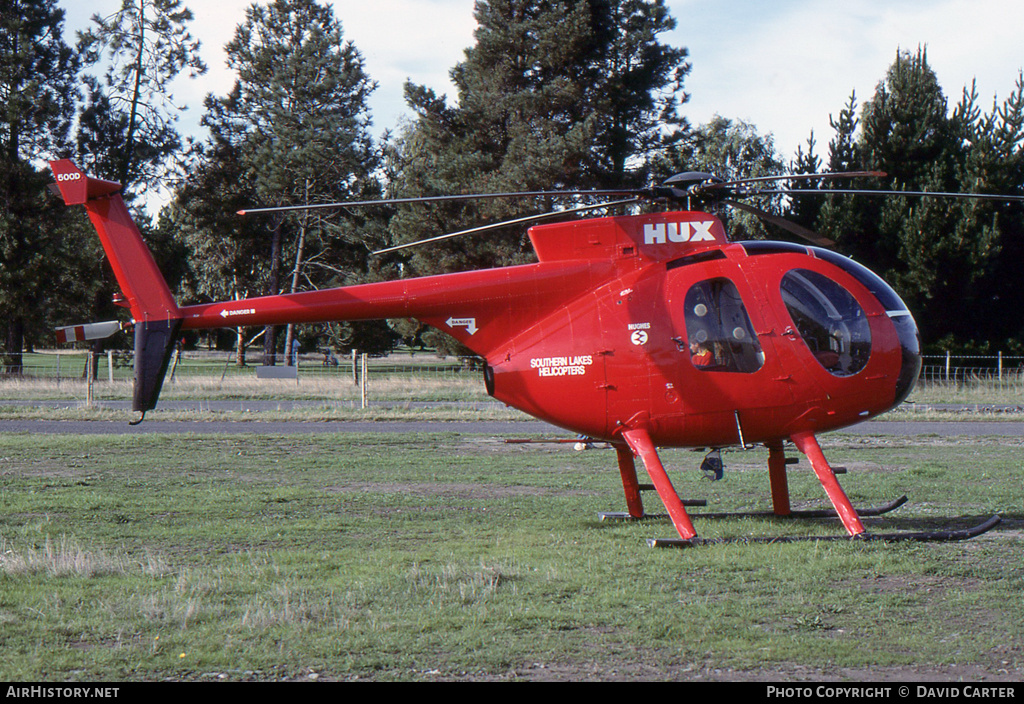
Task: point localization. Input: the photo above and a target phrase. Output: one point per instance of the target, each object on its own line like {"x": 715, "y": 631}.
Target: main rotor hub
{"x": 692, "y": 185}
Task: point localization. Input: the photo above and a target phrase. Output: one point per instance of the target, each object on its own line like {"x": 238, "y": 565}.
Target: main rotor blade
{"x": 858, "y": 192}
{"x": 798, "y": 230}
{"x": 799, "y": 177}
{"x": 496, "y": 225}
{"x": 441, "y": 199}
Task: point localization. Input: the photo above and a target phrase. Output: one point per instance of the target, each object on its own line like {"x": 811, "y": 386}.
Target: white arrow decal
{"x": 241, "y": 311}
{"x": 468, "y": 323}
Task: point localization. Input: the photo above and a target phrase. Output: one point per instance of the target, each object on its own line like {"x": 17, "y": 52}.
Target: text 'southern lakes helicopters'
{"x": 643, "y": 331}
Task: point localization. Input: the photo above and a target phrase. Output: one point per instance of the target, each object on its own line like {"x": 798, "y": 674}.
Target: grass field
{"x": 461, "y": 557}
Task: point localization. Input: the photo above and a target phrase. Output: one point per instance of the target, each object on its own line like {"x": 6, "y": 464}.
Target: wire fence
{"x": 1004, "y": 371}
{"x": 410, "y": 376}
{"x": 117, "y": 365}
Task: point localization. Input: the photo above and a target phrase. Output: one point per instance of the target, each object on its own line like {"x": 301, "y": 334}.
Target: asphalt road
{"x": 975, "y": 428}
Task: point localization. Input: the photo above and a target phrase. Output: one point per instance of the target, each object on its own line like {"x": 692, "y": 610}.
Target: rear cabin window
{"x": 718, "y": 329}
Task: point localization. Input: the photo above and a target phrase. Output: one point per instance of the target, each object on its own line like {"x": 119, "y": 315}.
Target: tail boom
{"x": 481, "y": 309}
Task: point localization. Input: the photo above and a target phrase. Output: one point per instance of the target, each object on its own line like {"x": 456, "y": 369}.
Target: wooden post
{"x": 174, "y": 362}
{"x": 90, "y": 376}
{"x": 362, "y": 381}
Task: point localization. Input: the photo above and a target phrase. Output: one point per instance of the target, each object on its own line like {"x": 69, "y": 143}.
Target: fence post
{"x": 58, "y": 371}
{"x": 1000, "y": 368}
{"x": 110, "y": 366}
{"x": 355, "y": 369}
{"x": 174, "y": 362}
{"x": 947, "y": 366}
{"x": 362, "y": 382}
{"x": 89, "y": 378}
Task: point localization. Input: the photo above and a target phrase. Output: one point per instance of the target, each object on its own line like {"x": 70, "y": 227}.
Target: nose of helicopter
{"x": 910, "y": 346}
{"x": 899, "y": 314}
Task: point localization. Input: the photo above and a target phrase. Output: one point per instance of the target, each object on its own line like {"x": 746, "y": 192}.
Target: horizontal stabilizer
{"x": 91, "y": 331}
{"x": 75, "y": 187}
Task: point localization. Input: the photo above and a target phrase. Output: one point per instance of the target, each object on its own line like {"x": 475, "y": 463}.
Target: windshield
{"x": 829, "y": 320}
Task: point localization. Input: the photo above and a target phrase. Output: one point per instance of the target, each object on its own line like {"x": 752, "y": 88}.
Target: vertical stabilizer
{"x": 156, "y": 315}
{"x": 137, "y": 273}
{"x": 154, "y": 343}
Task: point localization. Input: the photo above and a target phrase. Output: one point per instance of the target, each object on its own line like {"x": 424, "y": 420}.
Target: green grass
{"x": 462, "y": 557}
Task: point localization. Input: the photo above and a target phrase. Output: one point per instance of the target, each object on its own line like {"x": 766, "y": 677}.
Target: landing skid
{"x": 809, "y": 513}
{"x": 638, "y": 443}
{"x": 921, "y": 537}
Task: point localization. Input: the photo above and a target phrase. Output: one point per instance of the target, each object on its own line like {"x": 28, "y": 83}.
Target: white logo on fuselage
{"x": 661, "y": 233}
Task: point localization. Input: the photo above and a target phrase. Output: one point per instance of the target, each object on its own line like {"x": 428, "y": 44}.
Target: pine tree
{"x": 637, "y": 89}
{"x": 519, "y": 124}
{"x": 804, "y": 210}
{"x": 909, "y": 134}
{"x": 849, "y": 219}
{"x": 940, "y": 254}
{"x": 126, "y": 132}
{"x": 38, "y": 82}
{"x": 554, "y": 94}
{"x": 297, "y": 126}
{"x": 992, "y": 162}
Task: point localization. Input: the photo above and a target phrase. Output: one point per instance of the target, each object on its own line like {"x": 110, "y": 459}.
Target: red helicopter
{"x": 643, "y": 331}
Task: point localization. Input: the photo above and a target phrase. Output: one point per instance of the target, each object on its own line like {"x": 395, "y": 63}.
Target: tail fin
{"x": 156, "y": 314}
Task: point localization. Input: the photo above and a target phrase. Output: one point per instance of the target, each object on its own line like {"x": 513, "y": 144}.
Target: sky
{"x": 785, "y": 66}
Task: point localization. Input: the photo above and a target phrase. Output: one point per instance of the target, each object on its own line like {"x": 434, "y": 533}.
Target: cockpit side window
{"x": 719, "y": 332}
{"x": 829, "y": 320}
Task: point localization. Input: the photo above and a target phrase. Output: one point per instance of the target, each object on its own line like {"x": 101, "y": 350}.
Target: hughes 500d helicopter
{"x": 643, "y": 331}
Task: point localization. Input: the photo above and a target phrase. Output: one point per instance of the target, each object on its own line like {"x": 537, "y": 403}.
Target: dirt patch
{"x": 914, "y": 584}
{"x": 458, "y": 491}
{"x": 791, "y": 674}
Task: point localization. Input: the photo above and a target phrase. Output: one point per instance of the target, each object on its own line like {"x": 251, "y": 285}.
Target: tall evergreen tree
{"x": 555, "y": 93}
{"x": 127, "y": 132}
{"x": 909, "y": 134}
{"x": 992, "y": 162}
{"x": 939, "y": 253}
{"x": 849, "y": 219}
{"x": 297, "y": 124}
{"x": 636, "y": 89}
{"x": 38, "y": 81}
{"x": 804, "y": 211}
